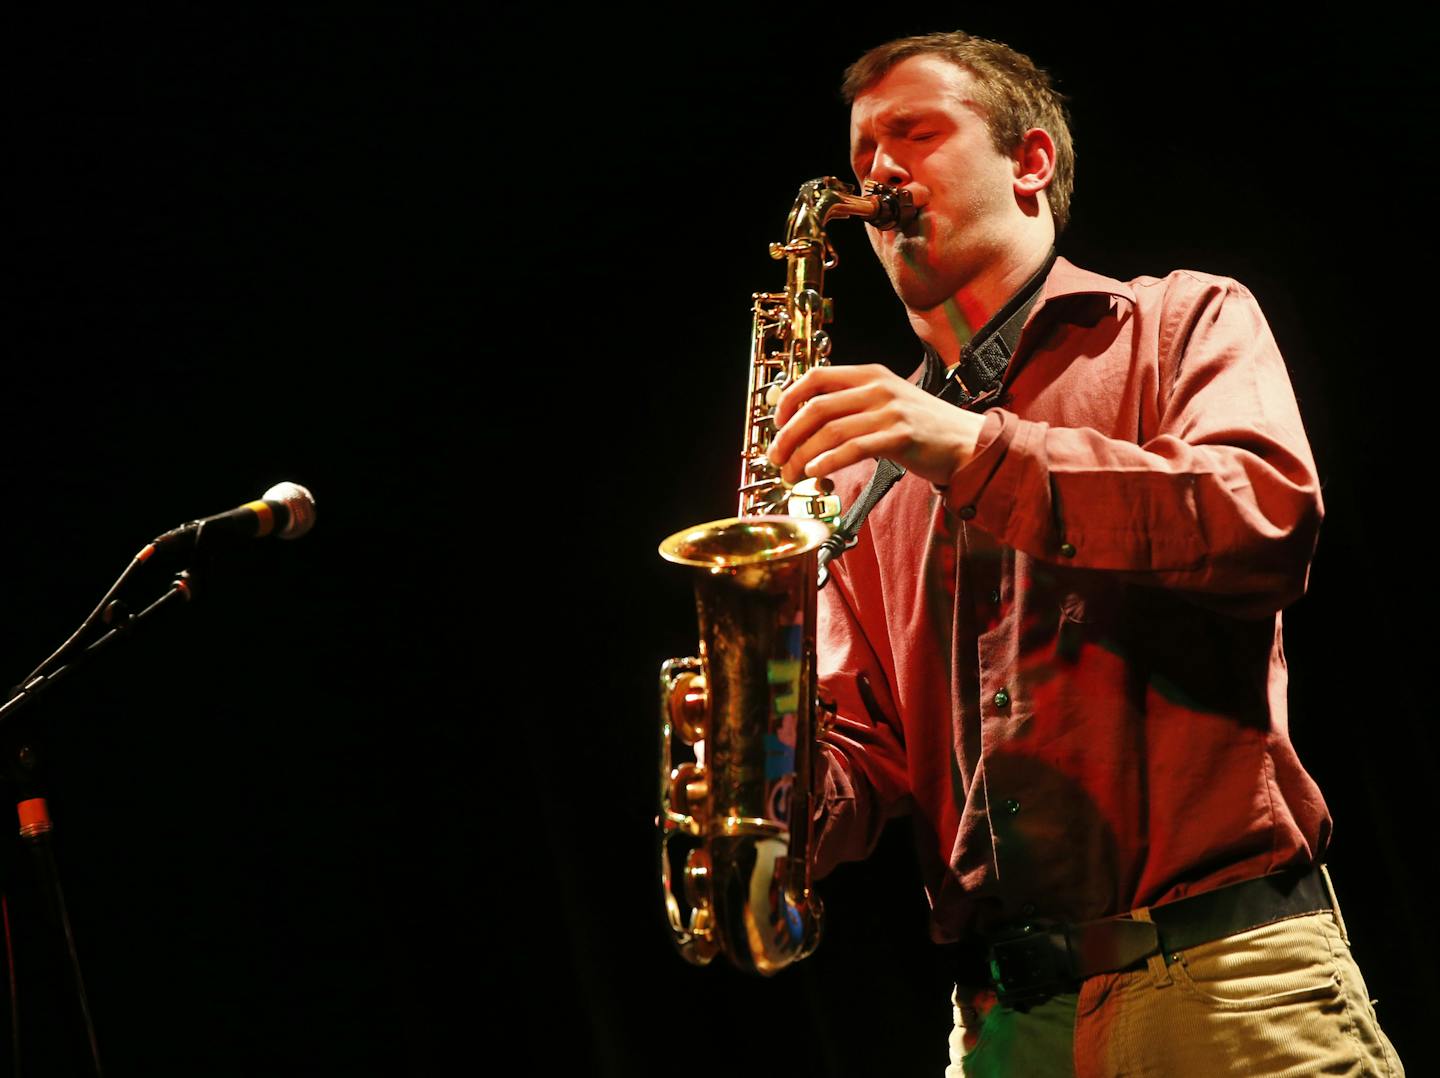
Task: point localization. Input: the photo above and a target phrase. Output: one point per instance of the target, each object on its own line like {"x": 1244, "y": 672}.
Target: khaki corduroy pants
{"x": 1286, "y": 999}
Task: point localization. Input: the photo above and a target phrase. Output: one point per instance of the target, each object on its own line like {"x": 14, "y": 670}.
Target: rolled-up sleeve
{"x": 1221, "y": 499}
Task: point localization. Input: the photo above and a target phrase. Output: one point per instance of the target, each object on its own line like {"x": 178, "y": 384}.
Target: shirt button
{"x": 967, "y": 512}
{"x": 1012, "y": 806}
{"x": 1002, "y": 699}
{"x": 1067, "y": 550}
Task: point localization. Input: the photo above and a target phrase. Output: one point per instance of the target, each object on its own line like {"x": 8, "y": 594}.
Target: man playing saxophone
{"x": 1057, "y": 642}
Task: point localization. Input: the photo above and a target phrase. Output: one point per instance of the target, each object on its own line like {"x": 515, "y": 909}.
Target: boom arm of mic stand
{"x": 182, "y": 588}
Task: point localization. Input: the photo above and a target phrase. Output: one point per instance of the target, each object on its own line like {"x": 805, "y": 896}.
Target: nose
{"x": 886, "y": 168}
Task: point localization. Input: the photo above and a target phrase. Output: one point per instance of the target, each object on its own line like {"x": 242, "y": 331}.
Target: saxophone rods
{"x": 742, "y": 817}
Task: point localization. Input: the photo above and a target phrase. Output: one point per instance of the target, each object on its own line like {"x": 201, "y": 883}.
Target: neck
{"x": 949, "y": 325}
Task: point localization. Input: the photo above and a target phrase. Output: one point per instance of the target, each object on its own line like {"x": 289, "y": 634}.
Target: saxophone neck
{"x": 826, "y": 198}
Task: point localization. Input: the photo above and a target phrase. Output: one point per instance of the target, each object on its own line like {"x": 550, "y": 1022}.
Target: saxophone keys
{"x": 689, "y": 788}
{"x": 696, "y": 887}
{"x": 690, "y": 706}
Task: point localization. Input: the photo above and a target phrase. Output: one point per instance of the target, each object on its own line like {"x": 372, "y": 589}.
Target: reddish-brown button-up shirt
{"x": 1068, "y": 666}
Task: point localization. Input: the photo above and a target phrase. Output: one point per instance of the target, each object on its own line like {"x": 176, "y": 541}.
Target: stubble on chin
{"x": 914, "y": 282}
{"x": 908, "y": 260}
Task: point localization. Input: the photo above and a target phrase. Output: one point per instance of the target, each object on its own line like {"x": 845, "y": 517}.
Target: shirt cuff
{"x": 967, "y": 483}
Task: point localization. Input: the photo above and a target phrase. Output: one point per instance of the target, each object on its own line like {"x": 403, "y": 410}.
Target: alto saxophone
{"x": 737, "y": 818}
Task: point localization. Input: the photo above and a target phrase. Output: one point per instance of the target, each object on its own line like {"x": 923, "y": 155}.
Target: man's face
{"x": 921, "y": 128}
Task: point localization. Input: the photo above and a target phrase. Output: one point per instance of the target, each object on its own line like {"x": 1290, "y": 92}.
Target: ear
{"x": 1034, "y": 162}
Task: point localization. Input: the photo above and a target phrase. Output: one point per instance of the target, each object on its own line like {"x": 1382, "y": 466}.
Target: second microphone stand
{"x": 36, "y": 828}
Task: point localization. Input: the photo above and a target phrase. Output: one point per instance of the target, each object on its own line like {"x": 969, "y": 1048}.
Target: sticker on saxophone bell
{"x": 784, "y": 678}
{"x": 795, "y": 636}
{"x": 780, "y": 751}
{"x": 780, "y": 769}
{"x": 778, "y": 803}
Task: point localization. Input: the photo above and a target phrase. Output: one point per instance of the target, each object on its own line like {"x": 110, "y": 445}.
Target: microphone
{"x": 286, "y": 510}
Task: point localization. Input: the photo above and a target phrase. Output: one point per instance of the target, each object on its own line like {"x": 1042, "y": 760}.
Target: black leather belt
{"x": 1039, "y": 960}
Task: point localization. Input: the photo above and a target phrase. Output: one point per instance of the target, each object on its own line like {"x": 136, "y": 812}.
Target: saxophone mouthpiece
{"x": 894, "y": 207}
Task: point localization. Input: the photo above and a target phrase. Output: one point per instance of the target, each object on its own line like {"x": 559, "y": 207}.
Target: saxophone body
{"x": 735, "y": 820}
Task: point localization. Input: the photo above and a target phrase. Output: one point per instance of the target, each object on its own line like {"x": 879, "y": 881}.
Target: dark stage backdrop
{"x": 380, "y": 801}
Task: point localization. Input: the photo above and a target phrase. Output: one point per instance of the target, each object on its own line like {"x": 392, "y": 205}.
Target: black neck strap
{"x": 975, "y": 382}
{"x": 982, "y": 366}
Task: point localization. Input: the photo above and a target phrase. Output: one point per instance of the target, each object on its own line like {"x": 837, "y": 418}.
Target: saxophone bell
{"x": 735, "y": 824}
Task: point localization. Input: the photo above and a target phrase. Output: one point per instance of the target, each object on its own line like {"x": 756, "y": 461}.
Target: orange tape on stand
{"x": 34, "y": 817}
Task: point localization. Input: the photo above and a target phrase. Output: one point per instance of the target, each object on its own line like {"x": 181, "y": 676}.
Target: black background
{"x": 380, "y": 801}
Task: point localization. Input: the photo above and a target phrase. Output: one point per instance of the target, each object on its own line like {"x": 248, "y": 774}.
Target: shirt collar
{"x": 1064, "y": 286}
{"x": 1067, "y": 279}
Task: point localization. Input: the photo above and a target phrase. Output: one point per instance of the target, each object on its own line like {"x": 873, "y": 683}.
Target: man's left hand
{"x": 851, "y": 413}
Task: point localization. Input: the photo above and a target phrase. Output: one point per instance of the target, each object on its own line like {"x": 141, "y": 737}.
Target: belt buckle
{"x": 1030, "y": 964}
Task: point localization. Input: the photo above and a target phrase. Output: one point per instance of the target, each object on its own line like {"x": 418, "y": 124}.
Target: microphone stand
{"x": 36, "y": 826}
{"x": 182, "y": 587}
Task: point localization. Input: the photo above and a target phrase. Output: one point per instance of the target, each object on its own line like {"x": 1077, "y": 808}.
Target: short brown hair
{"x": 1014, "y": 94}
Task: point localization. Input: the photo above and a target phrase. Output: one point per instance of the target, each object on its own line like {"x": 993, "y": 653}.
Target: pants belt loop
{"x": 1159, "y": 971}
{"x": 1335, "y": 904}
